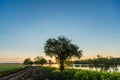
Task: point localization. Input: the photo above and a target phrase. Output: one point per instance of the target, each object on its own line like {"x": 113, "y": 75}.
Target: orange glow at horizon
{"x": 11, "y": 60}
{"x": 21, "y": 59}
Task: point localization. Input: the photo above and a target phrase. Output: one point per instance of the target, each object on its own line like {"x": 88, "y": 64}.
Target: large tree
{"x": 62, "y": 49}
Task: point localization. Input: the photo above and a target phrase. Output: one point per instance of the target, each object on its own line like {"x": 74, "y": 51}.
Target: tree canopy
{"x": 28, "y": 61}
{"x": 62, "y": 49}
{"x": 40, "y": 60}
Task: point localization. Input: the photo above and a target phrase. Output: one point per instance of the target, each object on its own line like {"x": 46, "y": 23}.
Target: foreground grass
{"x": 47, "y": 73}
{"x": 10, "y": 68}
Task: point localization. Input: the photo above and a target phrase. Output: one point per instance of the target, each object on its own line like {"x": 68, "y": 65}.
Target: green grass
{"x": 10, "y": 68}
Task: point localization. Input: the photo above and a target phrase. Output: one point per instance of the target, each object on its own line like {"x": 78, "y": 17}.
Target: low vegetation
{"x": 10, "y": 68}
{"x": 73, "y": 74}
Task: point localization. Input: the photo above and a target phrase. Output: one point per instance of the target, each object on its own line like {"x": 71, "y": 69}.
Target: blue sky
{"x": 25, "y": 25}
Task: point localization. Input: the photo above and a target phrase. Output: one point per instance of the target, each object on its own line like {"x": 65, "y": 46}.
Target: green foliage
{"x": 50, "y": 69}
{"x": 94, "y": 75}
{"x": 28, "y": 61}
{"x": 115, "y": 76}
{"x": 64, "y": 75}
{"x": 10, "y": 68}
{"x": 72, "y": 74}
{"x": 62, "y": 49}
{"x": 40, "y": 60}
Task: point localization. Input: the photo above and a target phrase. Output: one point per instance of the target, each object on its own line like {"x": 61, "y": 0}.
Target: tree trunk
{"x": 61, "y": 65}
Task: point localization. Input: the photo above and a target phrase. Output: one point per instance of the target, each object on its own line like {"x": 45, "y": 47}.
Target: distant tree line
{"x": 37, "y": 60}
{"x": 104, "y": 63}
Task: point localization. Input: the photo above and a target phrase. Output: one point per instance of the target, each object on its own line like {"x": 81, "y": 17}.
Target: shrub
{"x": 94, "y": 75}
{"x": 74, "y": 74}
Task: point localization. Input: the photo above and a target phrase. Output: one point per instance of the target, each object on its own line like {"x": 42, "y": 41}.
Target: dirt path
{"x": 38, "y": 73}
{"x": 30, "y": 73}
{"x": 17, "y": 75}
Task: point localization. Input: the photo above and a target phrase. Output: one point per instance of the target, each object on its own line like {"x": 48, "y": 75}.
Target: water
{"x": 93, "y": 68}
{"x": 85, "y": 68}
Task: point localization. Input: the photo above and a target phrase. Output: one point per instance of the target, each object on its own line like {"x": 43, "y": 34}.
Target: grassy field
{"x": 10, "y": 68}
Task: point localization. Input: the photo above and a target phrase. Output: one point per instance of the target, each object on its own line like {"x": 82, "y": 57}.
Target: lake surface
{"x": 85, "y": 68}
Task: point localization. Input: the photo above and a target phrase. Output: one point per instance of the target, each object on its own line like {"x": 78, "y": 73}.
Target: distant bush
{"x": 64, "y": 75}
{"x": 50, "y": 69}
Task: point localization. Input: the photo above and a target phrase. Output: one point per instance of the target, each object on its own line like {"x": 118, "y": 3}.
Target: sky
{"x": 25, "y": 25}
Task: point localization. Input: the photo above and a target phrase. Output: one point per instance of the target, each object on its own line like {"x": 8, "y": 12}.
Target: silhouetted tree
{"x": 28, "y": 61}
{"x": 40, "y": 60}
{"x": 50, "y": 62}
{"x": 62, "y": 49}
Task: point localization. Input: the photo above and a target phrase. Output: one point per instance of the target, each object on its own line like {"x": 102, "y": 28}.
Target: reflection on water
{"x": 77, "y": 66}
{"x": 93, "y": 68}
{"x": 52, "y": 65}
{"x": 84, "y": 68}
